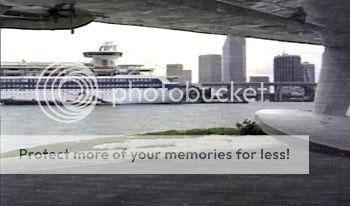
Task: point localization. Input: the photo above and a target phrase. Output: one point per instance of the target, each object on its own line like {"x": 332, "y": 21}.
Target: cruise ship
{"x": 103, "y": 80}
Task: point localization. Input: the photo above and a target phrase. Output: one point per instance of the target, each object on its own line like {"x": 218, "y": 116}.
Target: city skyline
{"x": 152, "y": 47}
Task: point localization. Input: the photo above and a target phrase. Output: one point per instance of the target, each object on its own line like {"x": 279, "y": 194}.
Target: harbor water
{"x": 125, "y": 119}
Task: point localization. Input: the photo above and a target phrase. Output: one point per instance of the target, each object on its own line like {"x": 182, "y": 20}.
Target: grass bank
{"x": 209, "y": 131}
{"x": 247, "y": 127}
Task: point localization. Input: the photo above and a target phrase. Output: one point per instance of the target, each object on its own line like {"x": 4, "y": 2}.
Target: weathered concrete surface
{"x": 333, "y": 90}
{"x": 305, "y": 21}
{"x": 269, "y": 19}
{"x": 327, "y": 184}
{"x": 329, "y": 131}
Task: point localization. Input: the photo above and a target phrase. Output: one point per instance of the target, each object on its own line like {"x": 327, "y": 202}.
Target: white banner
{"x": 213, "y": 154}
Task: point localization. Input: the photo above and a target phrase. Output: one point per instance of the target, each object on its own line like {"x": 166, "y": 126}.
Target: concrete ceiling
{"x": 305, "y": 21}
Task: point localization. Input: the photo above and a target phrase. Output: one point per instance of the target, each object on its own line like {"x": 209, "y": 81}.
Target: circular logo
{"x": 67, "y": 92}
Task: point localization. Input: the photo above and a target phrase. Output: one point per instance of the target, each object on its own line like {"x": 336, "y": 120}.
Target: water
{"x": 127, "y": 119}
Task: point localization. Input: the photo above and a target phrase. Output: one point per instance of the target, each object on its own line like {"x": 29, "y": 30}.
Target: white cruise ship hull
{"x": 108, "y": 96}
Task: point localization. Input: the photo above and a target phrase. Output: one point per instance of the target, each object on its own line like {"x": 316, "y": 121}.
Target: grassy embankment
{"x": 245, "y": 128}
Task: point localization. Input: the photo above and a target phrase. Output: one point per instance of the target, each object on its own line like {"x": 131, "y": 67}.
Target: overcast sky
{"x": 148, "y": 46}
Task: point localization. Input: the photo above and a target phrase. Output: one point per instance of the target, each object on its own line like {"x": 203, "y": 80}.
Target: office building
{"x": 209, "y": 68}
{"x": 187, "y": 76}
{"x": 234, "y": 59}
{"x": 309, "y": 72}
{"x": 176, "y": 71}
{"x": 288, "y": 68}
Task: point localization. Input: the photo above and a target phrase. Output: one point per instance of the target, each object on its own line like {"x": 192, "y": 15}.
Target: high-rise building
{"x": 210, "y": 68}
{"x": 174, "y": 69}
{"x": 288, "y": 68}
{"x": 177, "y": 72}
{"x": 234, "y": 59}
{"x": 309, "y": 72}
{"x": 187, "y": 76}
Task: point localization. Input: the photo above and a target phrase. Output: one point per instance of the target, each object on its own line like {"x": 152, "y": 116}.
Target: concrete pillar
{"x": 276, "y": 94}
{"x": 333, "y": 90}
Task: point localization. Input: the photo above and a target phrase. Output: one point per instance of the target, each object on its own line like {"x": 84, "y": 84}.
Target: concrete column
{"x": 333, "y": 90}
{"x": 276, "y": 95}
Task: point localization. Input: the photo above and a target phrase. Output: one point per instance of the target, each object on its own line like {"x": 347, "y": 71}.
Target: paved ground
{"x": 327, "y": 184}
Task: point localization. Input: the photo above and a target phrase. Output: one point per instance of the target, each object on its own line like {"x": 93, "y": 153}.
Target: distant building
{"x": 187, "y": 76}
{"x": 309, "y": 72}
{"x": 264, "y": 79}
{"x": 234, "y": 59}
{"x": 209, "y": 68}
{"x": 176, "y": 71}
{"x": 288, "y": 68}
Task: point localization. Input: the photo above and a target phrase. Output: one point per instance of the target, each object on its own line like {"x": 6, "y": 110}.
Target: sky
{"x": 149, "y": 46}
